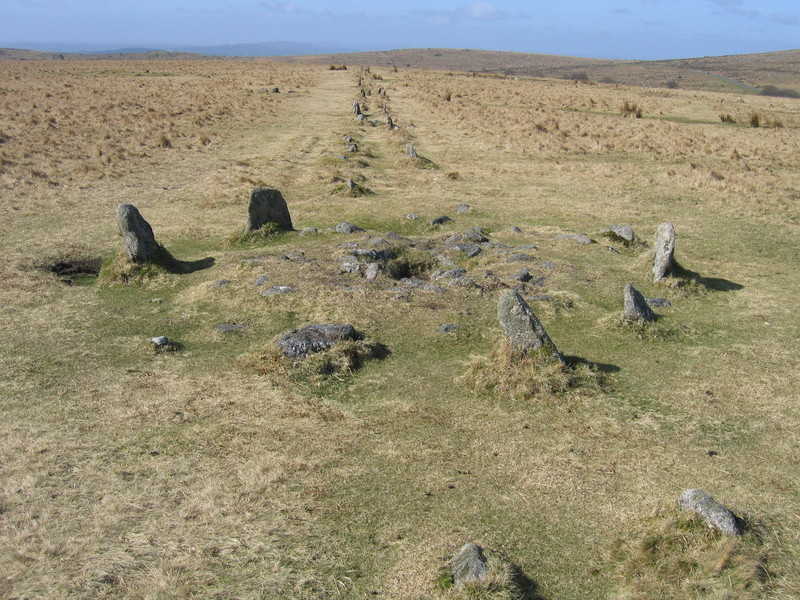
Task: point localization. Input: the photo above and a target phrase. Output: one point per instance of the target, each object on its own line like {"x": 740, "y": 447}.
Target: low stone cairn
{"x": 716, "y": 516}
{"x": 299, "y": 343}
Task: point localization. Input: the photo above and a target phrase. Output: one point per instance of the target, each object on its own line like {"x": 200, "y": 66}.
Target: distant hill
{"x": 747, "y": 73}
{"x": 122, "y": 54}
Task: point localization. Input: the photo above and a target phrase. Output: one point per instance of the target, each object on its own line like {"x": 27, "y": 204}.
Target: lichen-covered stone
{"x": 523, "y": 330}
{"x": 268, "y": 206}
{"x": 635, "y": 307}
{"x": 138, "y": 241}
{"x": 716, "y": 515}
{"x": 469, "y": 565}
{"x": 315, "y": 338}
{"x": 663, "y": 263}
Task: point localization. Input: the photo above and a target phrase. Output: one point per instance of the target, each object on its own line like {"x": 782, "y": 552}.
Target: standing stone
{"x": 411, "y": 151}
{"x": 267, "y": 205}
{"x": 356, "y": 108}
{"x": 138, "y": 240}
{"x": 716, "y": 515}
{"x": 390, "y": 122}
{"x": 523, "y": 330}
{"x": 635, "y": 306}
{"x": 663, "y": 263}
{"x": 469, "y": 565}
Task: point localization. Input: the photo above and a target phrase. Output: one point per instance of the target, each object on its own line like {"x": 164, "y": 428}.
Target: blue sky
{"x": 617, "y": 29}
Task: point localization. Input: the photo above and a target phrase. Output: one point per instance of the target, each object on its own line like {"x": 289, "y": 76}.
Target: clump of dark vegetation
{"x": 755, "y": 120}
{"x": 630, "y": 109}
{"x": 268, "y": 232}
{"x": 71, "y": 267}
{"x": 675, "y": 555}
{"x": 727, "y": 118}
{"x": 337, "y": 68}
{"x": 771, "y": 90}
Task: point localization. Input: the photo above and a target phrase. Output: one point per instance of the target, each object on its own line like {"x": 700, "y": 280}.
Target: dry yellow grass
{"x": 132, "y": 474}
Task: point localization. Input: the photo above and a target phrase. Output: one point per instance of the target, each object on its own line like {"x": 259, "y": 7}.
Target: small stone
{"x": 659, "y": 302}
{"x": 228, "y": 327}
{"x": 345, "y": 227}
{"x": 221, "y": 283}
{"x": 623, "y": 232}
{"x": 275, "y": 90}
{"x": 663, "y": 263}
{"x": 449, "y": 274}
{"x": 469, "y": 566}
{"x": 448, "y": 328}
{"x": 309, "y": 230}
{"x": 549, "y": 265}
{"x": 160, "y": 341}
{"x": 523, "y": 275}
{"x": 441, "y": 220}
{"x": 716, "y": 515}
{"x": 138, "y": 241}
{"x": 157, "y": 300}
{"x": 349, "y": 264}
{"x": 515, "y": 229}
{"x": 298, "y": 256}
{"x": 276, "y": 290}
{"x": 352, "y": 148}
{"x": 299, "y": 343}
{"x": 261, "y": 280}
{"x": 471, "y": 250}
{"x": 520, "y": 257}
{"x": 361, "y": 118}
{"x": 267, "y": 205}
{"x": 578, "y": 238}
{"x": 412, "y": 216}
{"x": 475, "y": 234}
{"x": 348, "y": 139}
{"x": 523, "y": 330}
{"x": 372, "y": 271}
{"x": 463, "y": 208}
{"x": 635, "y": 306}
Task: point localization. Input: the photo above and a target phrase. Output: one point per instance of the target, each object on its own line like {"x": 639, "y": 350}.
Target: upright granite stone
{"x": 664, "y": 261}
{"x": 138, "y": 240}
{"x": 299, "y": 343}
{"x": 523, "y": 330}
{"x": 635, "y": 307}
{"x": 469, "y": 565}
{"x": 716, "y": 515}
{"x": 267, "y": 205}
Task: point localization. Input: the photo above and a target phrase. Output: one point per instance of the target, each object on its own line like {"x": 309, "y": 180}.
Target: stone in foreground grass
{"x": 476, "y": 573}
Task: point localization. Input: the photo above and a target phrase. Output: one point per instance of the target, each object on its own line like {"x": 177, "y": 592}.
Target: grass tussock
{"x": 269, "y": 232}
{"x": 503, "y": 581}
{"x": 119, "y": 270}
{"x": 320, "y": 369}
{"x": 675, "y": 555}
{"x": 522, "y": 377}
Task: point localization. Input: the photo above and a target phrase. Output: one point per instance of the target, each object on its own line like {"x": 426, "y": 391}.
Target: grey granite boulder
{"x": 716, "y": 515}
{"x": 664, "y": 261}
{"x": 475, "y": 234}
{"x": 138, "y": 241}
{"x": 635, "y": 307}
{"x": 345, "y": 227}
{"x": 469, "y": 565}
{"x": 522, "y": 328}
{"x": 267, "y": 205}
{"x": 578, "y": 238}
{"x": 463, "y": 208}
{"x": 622, "y": 232}
{"x": 315, "y": 338}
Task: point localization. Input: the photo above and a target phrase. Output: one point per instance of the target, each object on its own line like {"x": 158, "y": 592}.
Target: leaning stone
{"x": 315, "y": 338}
{"x": 345, "y": 227}
{"x": 663, "y": 263}
{"x": 635, "y": 306}
{"x": 523, "y": 330}
{"x": 411, "y": 151}
{"x": 463, "y": 208}
{"x": 267, "y": 205}
{"x": 716, "y": 515}
{"x": 138, "y": 241}
{"x": 441, "y": 220}
{"x": 469, "y": 565}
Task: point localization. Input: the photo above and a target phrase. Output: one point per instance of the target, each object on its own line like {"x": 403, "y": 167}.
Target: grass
{"x": 201, "y": 473}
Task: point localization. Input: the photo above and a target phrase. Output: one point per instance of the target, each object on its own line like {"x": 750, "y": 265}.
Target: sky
{"x": 635, "y": 29}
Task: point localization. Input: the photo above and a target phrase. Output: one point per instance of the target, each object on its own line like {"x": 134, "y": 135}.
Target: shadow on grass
{"x": 526, "y": 586}
{"x": 175, "y": 266}
{"x": 714, "y": 284}
{"x": 574, "y": 361}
